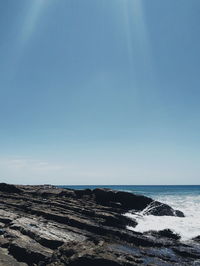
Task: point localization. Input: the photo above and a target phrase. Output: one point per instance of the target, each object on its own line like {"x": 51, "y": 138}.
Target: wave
{"x": 187, "y": 227}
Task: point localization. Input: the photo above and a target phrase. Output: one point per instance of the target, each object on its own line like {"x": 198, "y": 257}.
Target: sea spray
{"x": 188, "y": 227}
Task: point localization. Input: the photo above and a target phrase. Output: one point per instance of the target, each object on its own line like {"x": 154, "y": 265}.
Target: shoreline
{"x": 47, "y": 225}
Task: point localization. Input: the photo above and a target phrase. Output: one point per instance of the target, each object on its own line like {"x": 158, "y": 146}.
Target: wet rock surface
{"x": 166, "y": 233}
{"x": 45, "y": 225}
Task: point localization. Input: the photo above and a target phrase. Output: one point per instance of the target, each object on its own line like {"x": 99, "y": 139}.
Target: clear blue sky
{"x": 100, "y": 91}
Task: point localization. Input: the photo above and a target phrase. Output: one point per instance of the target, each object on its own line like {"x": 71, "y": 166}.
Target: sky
{"x": 100, "y": 92}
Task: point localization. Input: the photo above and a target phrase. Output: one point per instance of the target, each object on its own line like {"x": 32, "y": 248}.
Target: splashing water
{"x": 188, "y": 227}
{"x": 184, "y": 198}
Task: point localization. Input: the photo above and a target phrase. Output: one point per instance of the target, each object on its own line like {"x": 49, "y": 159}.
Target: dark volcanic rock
{"x": 166, "y": 233}
{"x": 29, "y": 251}
{"x": 45, "y": 225}
{"x": 196, "y": 239}
{"x": 7, "y": 260}
{"x": 169, "y": 234}
{"x": 186, "y": 251}
{"x": 179, "y": 213}
{"x": 160, "y": 209}
{"x": 9, "y": 188}
{"x": 90, "y": 254}
{"x": 118, "y": 221}
{"x": 126, "y": 200}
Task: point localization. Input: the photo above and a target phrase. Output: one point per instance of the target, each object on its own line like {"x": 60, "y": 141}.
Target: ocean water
{"x": 184, "y": 198}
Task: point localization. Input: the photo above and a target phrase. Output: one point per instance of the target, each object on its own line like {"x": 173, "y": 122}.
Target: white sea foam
{"x": 188, "y": 227}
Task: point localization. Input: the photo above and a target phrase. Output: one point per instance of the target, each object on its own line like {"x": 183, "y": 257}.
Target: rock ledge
{"x": 45, "y": 225}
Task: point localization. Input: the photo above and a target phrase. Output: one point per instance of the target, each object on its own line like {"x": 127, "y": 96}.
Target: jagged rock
{"x": 7, "y": 260}
{"x": 9, "y": 188}
{"x": 196, "y": 239}
{"x": 126, "y": 200}
{"x": 29, "y": 251}
{"x": 7, "y": 216}
{"x": 118, "y": 221}
{"x": 4, "y": 243}
{"x": 187, "y": 251}
{"x": 179, "y": 213}
{"x": 90, "y": 254}
{"x": 169, "y": 234}
{"x": 166, "y": 233}
{"x": 45, "y": 225}
{"x": 160, "y": 209}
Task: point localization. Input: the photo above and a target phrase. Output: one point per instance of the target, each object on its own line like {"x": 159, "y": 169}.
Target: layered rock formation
{"x": 45, "y": 225}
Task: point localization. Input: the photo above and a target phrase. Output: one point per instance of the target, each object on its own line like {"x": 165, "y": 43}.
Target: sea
{"x": 183, "y": 198}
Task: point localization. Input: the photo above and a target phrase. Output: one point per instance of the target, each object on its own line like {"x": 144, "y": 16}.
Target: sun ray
{"x": 27, "y": 27}
{"x": 138, "y": 39}
{"x": 31, "y": 19}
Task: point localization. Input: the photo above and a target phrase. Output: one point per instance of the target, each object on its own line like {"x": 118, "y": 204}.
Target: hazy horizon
{"x": 100, "y": 92}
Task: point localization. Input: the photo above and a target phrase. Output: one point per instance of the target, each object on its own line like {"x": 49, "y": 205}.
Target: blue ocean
{"x": 184, "y": 198}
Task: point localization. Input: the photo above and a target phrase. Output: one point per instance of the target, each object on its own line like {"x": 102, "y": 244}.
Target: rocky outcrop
{"x": 129, "y": 201}
{"x": 160, "y": 209}
{"x": 166, "y": 233}
{"x": 197, "y": 239}
{"x": 9, "y": 188}
{"x": 45, "y": 225}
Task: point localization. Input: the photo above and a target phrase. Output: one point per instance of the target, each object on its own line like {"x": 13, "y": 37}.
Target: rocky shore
{"x": 45, "y": 225}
